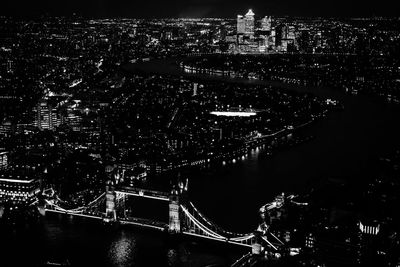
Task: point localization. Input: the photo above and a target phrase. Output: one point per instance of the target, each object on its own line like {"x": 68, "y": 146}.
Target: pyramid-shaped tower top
{"x": 250, "y": 13}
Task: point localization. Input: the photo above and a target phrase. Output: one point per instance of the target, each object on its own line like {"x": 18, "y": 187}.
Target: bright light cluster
{"x": 233, "y": 113}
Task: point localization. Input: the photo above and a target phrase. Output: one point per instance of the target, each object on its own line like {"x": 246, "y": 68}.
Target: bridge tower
{"x": 111, "y": 214}
{"x": 256, "y": 247}
{"x": 174, "y": 212}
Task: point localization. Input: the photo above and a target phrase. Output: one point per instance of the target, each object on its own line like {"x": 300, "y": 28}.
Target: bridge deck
{"x": 156, "y": 226}
{"x": 216, "y": 239}
{"x": 75, "y": 214}
{"x": 140, "y": 192}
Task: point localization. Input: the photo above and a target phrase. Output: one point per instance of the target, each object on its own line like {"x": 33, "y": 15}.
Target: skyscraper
{"x": 245, "y": 24}
{"x": 249, "y": 22}
{"x": 266, "y": 23}
{"x": 240, "y": 24}
{"x": 46, "y": 116}
{"x": 3, "y": 159}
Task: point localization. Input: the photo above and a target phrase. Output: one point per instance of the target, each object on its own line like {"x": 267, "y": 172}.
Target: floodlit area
{"x": 233, "y": 113}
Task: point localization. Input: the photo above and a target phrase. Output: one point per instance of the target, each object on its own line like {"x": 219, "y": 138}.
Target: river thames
{"x": 346, "y": 146}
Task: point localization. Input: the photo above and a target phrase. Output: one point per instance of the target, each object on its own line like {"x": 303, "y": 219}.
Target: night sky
{"x": 198, "y": 8}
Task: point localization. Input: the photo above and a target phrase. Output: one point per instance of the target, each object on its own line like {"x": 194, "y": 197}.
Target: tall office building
{"x": 272, "y": 39}
{"x": 46, "y": 116}
{"x": 6, "y": 127}
{"x": 222, "y": 33}
{"x": 249, "y": 22}
{"x": 254, "y": 36}
{"x": 240, "y": 24}
{"x": 245, "y": 24}
{"x": 266, "y": 23}
{"x": 195, "y": 87}
{"x": 291, "y": 33}
{"x": 3, "y": 159}
{"x": 19, "y": 186}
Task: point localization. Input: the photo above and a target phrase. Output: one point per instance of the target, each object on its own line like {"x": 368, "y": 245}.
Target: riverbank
{"x": 345, "y": 146}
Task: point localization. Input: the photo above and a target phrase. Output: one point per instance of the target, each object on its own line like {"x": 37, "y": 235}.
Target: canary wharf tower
{"x": 249, "y": 22}
{"x": 245, "y": 24}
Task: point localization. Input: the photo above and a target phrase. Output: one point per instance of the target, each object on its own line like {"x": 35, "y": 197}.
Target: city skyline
{"x": 197, "y": 8}
{"x": 251, "y": 140}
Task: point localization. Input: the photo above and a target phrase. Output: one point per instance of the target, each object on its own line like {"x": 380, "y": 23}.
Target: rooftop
{"x": 250, "y": 13}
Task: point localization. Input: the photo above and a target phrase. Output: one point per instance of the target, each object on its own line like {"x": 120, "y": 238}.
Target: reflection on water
{"x": 173, "y": 257}
{"x": 122, "y": 250}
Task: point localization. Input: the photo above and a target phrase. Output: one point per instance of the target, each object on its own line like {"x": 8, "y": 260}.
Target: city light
{"x": 105, "y": 120}
{"x": 233, "y": 113}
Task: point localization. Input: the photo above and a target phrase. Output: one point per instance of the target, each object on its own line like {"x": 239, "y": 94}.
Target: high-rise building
{"x": 222, "y": 33}
{"x": 6, "y": 127}
{"x": 284, "y": 31}
{"x": 266, "y": 23}
{"x": 245, "y": 24}
{"x": 272, "y": 39}
{"x": 17, "y": 188}
{"x": 3, "y": 159}
{"x": 195, "y": 87}
{"x": 240, "y": 24}
{"x": 46, "y": 116}
{"x": 291, "y": 33}
{"x": 254, "y": 36}
{"x": 249, "y": 22}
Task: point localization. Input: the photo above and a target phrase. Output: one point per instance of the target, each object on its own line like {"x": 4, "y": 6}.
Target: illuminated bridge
{"x": 184, "y": 217}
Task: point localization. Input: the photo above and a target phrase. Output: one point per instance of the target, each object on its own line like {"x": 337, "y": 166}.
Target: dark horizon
{"x": 197, "y": 9}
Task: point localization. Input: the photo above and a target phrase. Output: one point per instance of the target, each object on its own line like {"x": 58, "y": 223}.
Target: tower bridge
{"x": 184, "y": 217}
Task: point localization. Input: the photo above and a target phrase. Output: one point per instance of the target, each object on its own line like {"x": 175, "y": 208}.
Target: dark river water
{"x": 346, "y": 146}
